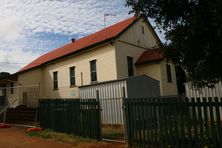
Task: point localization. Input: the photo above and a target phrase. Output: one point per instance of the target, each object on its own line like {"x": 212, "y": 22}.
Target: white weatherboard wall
{"x": 192, "y": 92}
{"x": 110, "y": 96}
{"x": 105, "y": 64}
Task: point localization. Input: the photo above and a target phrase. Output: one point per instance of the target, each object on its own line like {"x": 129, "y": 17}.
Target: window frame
{"x": 55, "y": 80}
{"x": 93, "y": 71}
{"x": 130, "y": 66}
{"x": 169, "y": 73}
{"x": 72, "y": 76}
{"x": 143, "y": 29}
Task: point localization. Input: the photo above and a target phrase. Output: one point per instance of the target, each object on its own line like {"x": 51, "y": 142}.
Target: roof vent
{"x": 73, "y": 40}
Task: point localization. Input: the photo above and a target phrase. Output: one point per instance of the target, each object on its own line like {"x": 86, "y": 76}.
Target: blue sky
{"x": 30, "y": 28}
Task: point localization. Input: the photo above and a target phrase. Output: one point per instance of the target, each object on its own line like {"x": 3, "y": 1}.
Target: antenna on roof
{"x": 105, "y": 15}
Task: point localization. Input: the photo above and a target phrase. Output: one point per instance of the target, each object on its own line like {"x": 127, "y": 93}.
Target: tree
{"x": 4, "y": 75}
{"x": 193, "y": 30}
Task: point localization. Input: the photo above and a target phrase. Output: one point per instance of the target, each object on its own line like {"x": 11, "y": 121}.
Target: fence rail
{"x": 72, "y": 116}
{"x": 174, "y": 122}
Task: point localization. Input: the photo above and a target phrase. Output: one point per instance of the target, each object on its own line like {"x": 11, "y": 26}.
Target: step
{"x": 21, "y": 115}
{"x": 21, "y": 122}
{"x": 19, "y": 110}
{"x": 20, "y": 118}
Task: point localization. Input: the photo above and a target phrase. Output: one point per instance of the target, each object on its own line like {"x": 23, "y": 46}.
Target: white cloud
{"x": 11, "y": 60}
{"x": 23, "y": 20}
{"x": 67, "y": 16}
{"x": 10, "y": 28}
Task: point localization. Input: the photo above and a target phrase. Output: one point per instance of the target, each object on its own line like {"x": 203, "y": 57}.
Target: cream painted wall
{"x": 133, "y": 43}
{"x": 152, "y": 70}
{"x": 106, "y": 70}
{"x": 26, "y": 91}
{"x": 122, "y": 51}
{"x": 168, "y": 88}
{"x": 135, "y": 36}
{"x": 31, "y": 77}
{"x": 157, "y": 70}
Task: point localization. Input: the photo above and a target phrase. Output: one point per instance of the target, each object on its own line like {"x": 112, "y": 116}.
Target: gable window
{"x": 169, "y": 76}
{"x": 72, "y": 76}
{"x": 12, "y": 89}
{"x": 130, "y": 66}
{"x": 93, "y": 72}
{"x": 143, "y": 31}
{"x": 55, "y": 80}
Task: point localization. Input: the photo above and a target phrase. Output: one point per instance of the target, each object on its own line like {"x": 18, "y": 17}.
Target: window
{"x": 169, "y": 76}
{"x": 143, "y": 31}
{"x": 55, "y": 80}
{"x": 72, "y": 76}
{"x": 12, "y": 89}
{"x": 130, "y": 66}
{"x": 93, "y": 70}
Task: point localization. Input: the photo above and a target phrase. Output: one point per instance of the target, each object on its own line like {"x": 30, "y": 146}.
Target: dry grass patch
{"x": 113, "y": 133}
{"x": 61, "y": 137}
{"x": 76, "y": 141}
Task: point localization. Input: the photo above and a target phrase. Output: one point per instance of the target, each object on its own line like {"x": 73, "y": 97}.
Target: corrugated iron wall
{"x": 110, "y": 95}
{"x": 106, "y": 90}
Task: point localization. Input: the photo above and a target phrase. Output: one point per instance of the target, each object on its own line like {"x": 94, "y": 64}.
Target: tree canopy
{"x": 4, "y": 75}
{"x": 193, "y": 30}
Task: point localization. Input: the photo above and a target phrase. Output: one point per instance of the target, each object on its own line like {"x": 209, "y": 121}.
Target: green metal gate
{"x": 72, "y": 116}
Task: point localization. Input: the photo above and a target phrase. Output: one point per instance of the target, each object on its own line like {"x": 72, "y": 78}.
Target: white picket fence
{"x": 192, "y": 92}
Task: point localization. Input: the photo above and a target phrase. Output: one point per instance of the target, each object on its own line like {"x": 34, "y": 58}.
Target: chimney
{"x": 73, "y": 40}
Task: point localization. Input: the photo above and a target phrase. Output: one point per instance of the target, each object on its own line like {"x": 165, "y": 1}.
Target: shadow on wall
{"x": 181, "y": 79}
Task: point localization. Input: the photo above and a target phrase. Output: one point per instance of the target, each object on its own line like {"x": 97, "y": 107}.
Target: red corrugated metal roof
{"x": 93, "y": 39}
{"x": 150, "y": 56}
